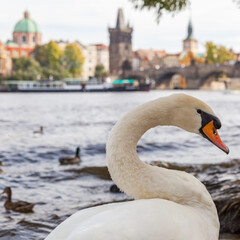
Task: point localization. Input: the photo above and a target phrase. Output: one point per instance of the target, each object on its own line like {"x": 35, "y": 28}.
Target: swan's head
{"x": 195, "y": 116}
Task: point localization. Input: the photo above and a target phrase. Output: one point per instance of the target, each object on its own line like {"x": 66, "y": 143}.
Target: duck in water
{"x": 71, "y": 160}
{"x": 1, "y": 164}
{"x": 19, "y": 206}
{"x": 40, "y": 131}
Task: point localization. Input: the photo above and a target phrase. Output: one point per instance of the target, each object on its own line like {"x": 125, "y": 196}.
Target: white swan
{"x": 171, "y": 205}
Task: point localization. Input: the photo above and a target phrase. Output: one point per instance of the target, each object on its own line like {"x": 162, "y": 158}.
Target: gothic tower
{"x": 120, "y": 48}
{"x": 190, "y": 44}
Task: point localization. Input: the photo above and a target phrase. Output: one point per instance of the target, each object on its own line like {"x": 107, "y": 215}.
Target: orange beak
{"x": 210, "y": 132}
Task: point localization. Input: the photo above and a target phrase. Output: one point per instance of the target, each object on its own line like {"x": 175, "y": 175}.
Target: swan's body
{"x": 171, "y": 205}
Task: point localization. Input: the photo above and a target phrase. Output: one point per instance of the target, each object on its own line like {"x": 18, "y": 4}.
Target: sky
{"x": 88, "y": 20}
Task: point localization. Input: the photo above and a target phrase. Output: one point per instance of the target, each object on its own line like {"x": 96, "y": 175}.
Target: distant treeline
{"x": 49, "y": 61}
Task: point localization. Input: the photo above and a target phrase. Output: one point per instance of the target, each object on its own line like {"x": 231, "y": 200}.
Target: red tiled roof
{"x": 101, "y": 46}
{"x": 149, "y": 53}
{"x": 172, "y": 54}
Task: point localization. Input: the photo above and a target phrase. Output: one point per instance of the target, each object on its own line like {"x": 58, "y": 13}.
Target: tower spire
{"x": 190, "y": 30}
{"x": 120, "y": 19}
{"x": 190, "y": 43}
{"x": 26, "y": 14}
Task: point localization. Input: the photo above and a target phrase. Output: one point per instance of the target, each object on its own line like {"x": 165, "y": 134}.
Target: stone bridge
{"x": 194, "y": 76}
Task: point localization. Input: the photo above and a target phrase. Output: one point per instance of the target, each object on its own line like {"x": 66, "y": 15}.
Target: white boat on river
{"x": 69, "y": 86}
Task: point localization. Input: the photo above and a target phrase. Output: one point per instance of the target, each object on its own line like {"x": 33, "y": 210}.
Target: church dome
{"x": 26, "y": 25}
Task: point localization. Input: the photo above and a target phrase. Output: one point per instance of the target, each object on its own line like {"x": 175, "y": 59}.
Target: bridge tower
{"x": 190, "y": 43}
{"x": 120, "y": 48}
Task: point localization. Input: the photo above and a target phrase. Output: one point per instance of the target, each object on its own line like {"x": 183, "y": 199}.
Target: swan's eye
{"x": 214, "y": 132}
{"x": 199, "y": 111}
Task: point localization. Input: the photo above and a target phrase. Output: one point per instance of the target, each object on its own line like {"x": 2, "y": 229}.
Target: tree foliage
{"x": 26, "y": 69}
{"x": 191, "y": 59}
{"x": 56, "y": 74}
{"x": 39, "y": 55}
{"x": 217, "y": 54}
{"x": 49, "y": 61}
{"x": 170, "y": 6}
{"x": 53, "y": 55}
{"x": 73, "y": 59}
{"x": 50, "y": 58}
{"x": 100, "y": 71}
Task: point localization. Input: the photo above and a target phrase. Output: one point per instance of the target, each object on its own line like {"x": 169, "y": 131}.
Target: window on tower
{"x": 24, "y": 39}
{"x": 34, "y": 39}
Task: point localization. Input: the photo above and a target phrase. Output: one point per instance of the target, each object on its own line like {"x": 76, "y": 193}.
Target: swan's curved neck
{"x": 141, "y": 180}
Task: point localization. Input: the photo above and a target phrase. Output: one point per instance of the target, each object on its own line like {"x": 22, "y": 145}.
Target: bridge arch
{"x": 211, "y": 80}
{"x": 195, "y": 76}
{"x": 171, "y": 80}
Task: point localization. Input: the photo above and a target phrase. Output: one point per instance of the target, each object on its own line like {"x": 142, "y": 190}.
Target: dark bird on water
{"x": 40, "y": 131}
{"x": 114, "y": 189}
{"x": 19, "y": 206}
{"x": 71, "y": 160}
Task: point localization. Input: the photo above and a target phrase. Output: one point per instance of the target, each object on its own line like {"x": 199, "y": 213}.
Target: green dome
{"x": 26, "y": 25}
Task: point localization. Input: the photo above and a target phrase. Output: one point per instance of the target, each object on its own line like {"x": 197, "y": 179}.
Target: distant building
{"x": 120, "y": 48}
{"x": 5, "y": 62}
{"x": 147, "y": 58}
{"x": 90, "y": 60}
{"x": 190, "y": 54}
{"x": 170, "y": 60}
{"x": 190, "y": 44}
{"x": 62, "y": 44}
{"x": 93, "y": 54}
{"x": 26, "y": 32}
{"x": 103, "y": 56}
{"x": 26, "y": 35}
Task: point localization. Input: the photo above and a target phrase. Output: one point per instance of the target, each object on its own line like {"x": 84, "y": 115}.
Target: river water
{"x": 85, "y": 119}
